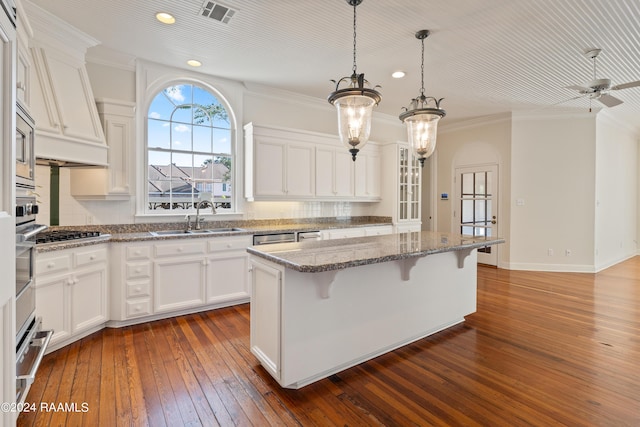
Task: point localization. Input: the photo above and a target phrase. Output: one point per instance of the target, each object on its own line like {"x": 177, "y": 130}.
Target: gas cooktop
{"x": 64, "y": 235}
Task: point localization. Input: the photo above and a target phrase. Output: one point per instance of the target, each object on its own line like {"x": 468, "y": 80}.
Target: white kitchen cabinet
{"x": 368, "y": 174}
{"x": 290, "y": 164}
{"x": 378, "y": 230}
{"x": 227, "y": 269}
{"x": 343, "y": 233}
{"x": 179, "y": 274}
{"x": 23, "y": 59}
{"x": 334, "y": 173}
{"x": 115, "y": 181}
{"x": 279, "y": 168}
{"x": 62, "y": 103}
{"x": 154, "y": 279}
{"x": 401, "y": 187}
{"x": 71, "y": 292}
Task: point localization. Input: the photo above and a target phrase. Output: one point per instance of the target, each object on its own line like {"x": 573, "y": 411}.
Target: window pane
{"x": 158, "y": 134}
{"x": 467, "y": 211}
{"x": 222, "y": 141}
{"x": 181, "y": 137}
{"x": 467, "y": 230}
{"x": 467, "y": 184}
{"x": 480, "y": 215}
{"x": 480, "y": 184}
{"x": 202, "y": 139}
{"x": 161, "y": 108}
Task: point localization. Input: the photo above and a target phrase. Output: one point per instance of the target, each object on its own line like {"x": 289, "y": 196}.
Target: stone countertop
{"x": 142, "y": 232}
{"x": 327, "y": 255}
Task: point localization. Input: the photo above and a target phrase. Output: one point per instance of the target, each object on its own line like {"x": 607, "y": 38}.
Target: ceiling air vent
{"x": 217, "y": 11}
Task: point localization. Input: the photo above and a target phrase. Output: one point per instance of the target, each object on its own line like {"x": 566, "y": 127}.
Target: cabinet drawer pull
{"x": 51, "y": 265}
{"x": 138, "y": 289}
{"x": 179, "y": 249}
{"x": 92, "y": 257}
{"x": 138, "y": 270}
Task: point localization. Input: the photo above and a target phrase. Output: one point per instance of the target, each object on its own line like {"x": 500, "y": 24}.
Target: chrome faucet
{"x": 203, "y": 204}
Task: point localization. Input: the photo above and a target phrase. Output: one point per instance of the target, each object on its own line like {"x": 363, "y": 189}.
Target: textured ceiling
{"x": 484, "y": 57}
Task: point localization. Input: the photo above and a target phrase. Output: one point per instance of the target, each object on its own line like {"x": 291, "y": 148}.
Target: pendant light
{"x": 422, "y": 118}
{"x": 354, "y": 102}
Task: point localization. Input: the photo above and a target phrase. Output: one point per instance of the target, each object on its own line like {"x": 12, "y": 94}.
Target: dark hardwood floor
{"x": 543, "y": 349}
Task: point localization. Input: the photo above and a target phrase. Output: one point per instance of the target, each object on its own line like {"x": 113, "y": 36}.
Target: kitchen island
{"x": 320, "y": 307}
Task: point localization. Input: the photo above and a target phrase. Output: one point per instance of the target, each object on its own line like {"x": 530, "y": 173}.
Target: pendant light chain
{"x": 354, "y": 37}
{"x": 422, "y": 70}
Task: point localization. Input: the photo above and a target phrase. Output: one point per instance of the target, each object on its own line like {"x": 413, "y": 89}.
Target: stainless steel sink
{"x": 168, "y": 232}
{"x": 206, "y": 231}
{"x": 224, "y": 230}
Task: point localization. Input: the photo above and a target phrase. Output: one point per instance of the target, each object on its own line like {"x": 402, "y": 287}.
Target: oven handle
{"x": 29, "y": 234}
{"x": 44, "y": 337}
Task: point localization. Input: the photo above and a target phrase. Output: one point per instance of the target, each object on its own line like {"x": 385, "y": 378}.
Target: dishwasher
{"x": 269, "y": 239}
{"x": 303, "y": 236}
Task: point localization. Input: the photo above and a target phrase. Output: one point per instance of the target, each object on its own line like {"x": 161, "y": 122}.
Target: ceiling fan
{"x": 599, "y": 89}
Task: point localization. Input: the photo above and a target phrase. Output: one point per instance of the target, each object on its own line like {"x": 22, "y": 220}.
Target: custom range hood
{"x": 68, "y": 129}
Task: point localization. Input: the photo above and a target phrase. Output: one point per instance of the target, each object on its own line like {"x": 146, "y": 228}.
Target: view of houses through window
{"x": 189, "y": 150}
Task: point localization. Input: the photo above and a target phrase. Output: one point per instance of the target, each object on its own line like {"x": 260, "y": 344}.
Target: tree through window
{"x": 189, "y": 150}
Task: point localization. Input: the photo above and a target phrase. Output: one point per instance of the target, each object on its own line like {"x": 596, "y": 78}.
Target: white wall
{"x": 553, "y": 175}
{"x": 471, "y": 143}
{"x": 616, "y": 192}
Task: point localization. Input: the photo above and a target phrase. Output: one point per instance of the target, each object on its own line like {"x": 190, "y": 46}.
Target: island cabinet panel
{"x": 307, "y": 326}
{"x": 265, "y": 317}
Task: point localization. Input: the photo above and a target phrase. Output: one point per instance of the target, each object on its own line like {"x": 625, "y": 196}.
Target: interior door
{"x": 477, "y": 206}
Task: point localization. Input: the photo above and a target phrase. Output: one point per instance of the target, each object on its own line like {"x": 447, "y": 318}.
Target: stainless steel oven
{"x": 31, "y": 341}
{"x": 25, "y": 154}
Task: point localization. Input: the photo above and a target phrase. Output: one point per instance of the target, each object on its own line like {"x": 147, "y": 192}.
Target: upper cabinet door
{"x": 269, "y": 168}
{"x": 300, "y": 170}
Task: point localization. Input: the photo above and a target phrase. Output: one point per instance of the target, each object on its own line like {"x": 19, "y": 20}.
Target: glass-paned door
{"x": 476, "y": 214}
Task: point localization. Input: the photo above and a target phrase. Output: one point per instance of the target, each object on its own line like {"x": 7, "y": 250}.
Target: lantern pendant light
{"x": 354, "y": 102}
{"x": 422, "y": 118}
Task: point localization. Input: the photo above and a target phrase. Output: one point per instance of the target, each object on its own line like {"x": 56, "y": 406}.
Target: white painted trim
{"x": 447, "y": 127}
{"x": 558, "y": 268}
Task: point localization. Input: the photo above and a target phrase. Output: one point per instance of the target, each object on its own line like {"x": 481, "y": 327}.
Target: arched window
{"x": 189, "y": 151}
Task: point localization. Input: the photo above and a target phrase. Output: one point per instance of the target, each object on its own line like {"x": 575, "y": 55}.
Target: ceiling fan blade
{"x": 580, "y": 89}
{"x": 609, "y": 101}
{"x": 626, "y": 85}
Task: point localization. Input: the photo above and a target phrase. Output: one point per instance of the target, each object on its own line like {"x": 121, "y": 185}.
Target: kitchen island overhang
{"x": 320, "y": 307}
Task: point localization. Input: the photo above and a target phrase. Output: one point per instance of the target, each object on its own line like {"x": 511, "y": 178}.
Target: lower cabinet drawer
{"x": 138, "y": 289}
{"x": 137, "y": 308}
{"x": 137, "y": 270}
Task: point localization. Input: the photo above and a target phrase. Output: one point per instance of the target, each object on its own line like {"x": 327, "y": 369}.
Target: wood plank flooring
{"x": 543, "y": 349}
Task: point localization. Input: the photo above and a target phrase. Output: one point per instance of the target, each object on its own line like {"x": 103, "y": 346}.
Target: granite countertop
{"x": 142, "y": 232}
{"x": 327, "y": 255}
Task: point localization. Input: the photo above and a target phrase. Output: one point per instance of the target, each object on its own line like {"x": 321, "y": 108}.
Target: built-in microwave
{"x": 25, "y": 154}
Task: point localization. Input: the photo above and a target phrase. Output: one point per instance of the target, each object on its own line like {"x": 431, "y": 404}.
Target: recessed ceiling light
{"x": 397, "y": 74}
{"x": 165, "y": 18}
{"x": 194, "y": 62}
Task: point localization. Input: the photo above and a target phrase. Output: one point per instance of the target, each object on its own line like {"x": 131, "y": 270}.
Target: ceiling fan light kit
{"x": 354, "y": 102}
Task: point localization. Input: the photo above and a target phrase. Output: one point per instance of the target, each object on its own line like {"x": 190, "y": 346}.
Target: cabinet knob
{"x": 138, "y": 270}
{"x": 179, "y": 249}
{"x": 20, "y": 85}
{"x": 136, "y": 253}
{"x": 51, "y": 265}
{"x": 138, "y": 289}
{"x": 92, "y": 257}
{"x": 229, "y": 245}
{"x": 137, "y": 308}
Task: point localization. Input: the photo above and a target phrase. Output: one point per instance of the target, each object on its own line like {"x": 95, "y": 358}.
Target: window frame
{"x": 223, "y": 91}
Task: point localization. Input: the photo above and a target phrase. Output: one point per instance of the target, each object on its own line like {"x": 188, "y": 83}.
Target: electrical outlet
{"x": 567, "y": 252}
{"x": 550, "y": 252}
